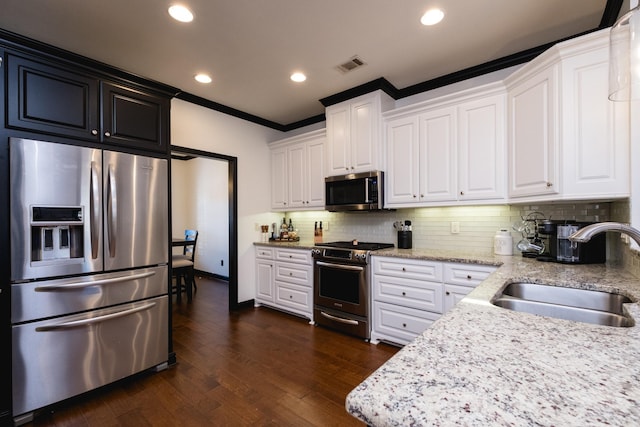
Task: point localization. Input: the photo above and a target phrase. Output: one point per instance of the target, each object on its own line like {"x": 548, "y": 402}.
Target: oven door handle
{"x": 91, "y": 321}
{"x": 340, "y": 266}
{"x": 339, "y": 319}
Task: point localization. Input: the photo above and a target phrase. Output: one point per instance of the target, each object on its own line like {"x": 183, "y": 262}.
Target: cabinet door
{"x": 402, "y": 161}
{"x": 315, "y": 173}
{"x": 338, "y": 140}
{"x": 364, "y": 136}
{"x": 279, "y": 186}
{"x": 296, "y": 178}
{"x": 453, "y": 294}
{"x": 532, "y": 111}
{"x": 595, "y": 131}
{"x": 51, "y": 100}
{"x": 134, "y": 118}
{"x": 437, "y": 145}
{"x": 264, "y": 280}
{"x": 481, "y": 147}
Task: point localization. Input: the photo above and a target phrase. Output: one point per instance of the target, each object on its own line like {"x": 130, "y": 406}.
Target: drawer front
{"x": 418, "y": 294}
{"x": 399, "y": 324}
{"x": 412, "y": 269}
{"x": 264, "y": 253}
{"x": 299, "y": 256}
{"x": 294, "y": 297}
{"x": 85, "y": 351}
{"x": 467, "y": 274}
{"x": 37, "y": 300}
{"x": 294, "y": 273}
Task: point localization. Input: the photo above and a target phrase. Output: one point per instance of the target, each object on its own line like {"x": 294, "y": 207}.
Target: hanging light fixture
{"x": 624, "y": 57}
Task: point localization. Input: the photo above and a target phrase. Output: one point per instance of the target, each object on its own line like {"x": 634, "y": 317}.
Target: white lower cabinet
{"x": 398, "y": 324}
{"x": 460, "y": 279}
{"x": 408, "y": 295}
{"x": 284, "y": 280}
{"x": 407, "y": 298}
{"x": 264, "y": 274}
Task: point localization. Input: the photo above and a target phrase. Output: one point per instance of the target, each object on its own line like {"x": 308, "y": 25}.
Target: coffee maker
{"x": 562, "y": 250}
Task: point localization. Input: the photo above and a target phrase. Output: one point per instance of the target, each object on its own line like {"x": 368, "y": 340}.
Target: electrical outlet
{"x": 325, "y": 225}
{"x": 257, "y": 226}
{"x": 455, "y": 227}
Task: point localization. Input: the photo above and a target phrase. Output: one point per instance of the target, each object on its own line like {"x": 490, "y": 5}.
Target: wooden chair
{"x": 183, "y": 267}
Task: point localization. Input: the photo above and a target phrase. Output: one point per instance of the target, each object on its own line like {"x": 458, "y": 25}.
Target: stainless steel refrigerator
{"x": 89, "y": 273}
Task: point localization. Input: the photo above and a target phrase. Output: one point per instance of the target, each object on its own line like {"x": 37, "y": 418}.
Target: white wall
{"x": 203, "y": 129}
{"x": 200, "y": 202}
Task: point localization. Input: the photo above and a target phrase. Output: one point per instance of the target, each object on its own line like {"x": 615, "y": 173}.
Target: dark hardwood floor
{"x": 256, "y": 366}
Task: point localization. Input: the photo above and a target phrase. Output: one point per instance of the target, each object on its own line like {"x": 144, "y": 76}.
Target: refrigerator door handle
{"x": 112, "y": 211}
{"x": 91, "y": 321}
{"x": 94, "y": 206}
{"x": 111, "y": 280}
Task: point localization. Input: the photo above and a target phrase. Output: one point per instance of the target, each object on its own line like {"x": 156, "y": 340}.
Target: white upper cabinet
{"x": 279, "y": 192}
{"x": 402, "y": 179}
{"x": 437, "y": 154}
{"x": 532, "y": 135}
{"x": 297, "y": 172}
{"x": 353, "y": 134}
{"x": 595, "y": 131}
{"x": 447, "y": 150}
{"x": 315, "y": 172}
{"x": 567, "y": 140}
{"x": 482, "y": 131}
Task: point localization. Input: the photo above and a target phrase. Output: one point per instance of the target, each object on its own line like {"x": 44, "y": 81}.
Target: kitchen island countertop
{"x": 483, "y": 365}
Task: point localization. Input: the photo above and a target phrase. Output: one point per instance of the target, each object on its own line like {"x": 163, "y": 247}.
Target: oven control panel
{"x": 360, "y": 257}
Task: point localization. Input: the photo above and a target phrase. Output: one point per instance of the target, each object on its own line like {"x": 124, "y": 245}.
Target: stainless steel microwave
{"x": 355, "y": 192}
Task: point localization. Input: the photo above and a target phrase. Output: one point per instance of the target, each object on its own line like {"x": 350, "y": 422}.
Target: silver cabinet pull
{"x": 111, "y": 280}
{"x": 99, "y": 319}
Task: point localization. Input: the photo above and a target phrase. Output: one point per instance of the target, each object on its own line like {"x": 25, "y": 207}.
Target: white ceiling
{"x": 250, "y": 47}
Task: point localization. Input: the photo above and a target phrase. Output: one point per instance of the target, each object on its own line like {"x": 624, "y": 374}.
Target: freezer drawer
{"x": 59, "y": 358}
{"x": 37, "y": 300}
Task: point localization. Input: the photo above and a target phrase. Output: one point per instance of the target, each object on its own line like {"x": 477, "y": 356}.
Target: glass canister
{"x": 503, "y": 243}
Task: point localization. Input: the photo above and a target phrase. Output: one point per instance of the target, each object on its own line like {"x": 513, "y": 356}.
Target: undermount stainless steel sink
{"x": 581, "y": 305}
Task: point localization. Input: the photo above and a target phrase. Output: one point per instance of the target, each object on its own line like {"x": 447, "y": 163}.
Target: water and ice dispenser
{"x": 56, "y": 233}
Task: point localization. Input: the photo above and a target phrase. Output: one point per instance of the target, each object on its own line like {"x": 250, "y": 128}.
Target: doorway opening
{"x": 184, "y": 153}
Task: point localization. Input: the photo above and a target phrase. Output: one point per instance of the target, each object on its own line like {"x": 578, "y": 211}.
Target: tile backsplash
{"x": 432, "y": 226}
{"x": 477, "y": 225}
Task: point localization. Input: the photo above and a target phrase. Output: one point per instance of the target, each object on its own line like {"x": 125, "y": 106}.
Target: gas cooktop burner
{"x": 355, "y": 245}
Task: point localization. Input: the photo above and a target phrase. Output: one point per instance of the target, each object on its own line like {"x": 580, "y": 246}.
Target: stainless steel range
{"x": 341, "y": 285}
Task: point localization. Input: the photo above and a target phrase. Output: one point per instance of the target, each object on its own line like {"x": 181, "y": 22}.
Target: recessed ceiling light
{"x": 180, "y": 13}
{"x": 298, "y": 77}
{"x": 202, "y": 78}
{"x": 432, "y": 17}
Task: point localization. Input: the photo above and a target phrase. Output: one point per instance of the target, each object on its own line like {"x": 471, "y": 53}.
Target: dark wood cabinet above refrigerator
{"x": 67, "y": 102}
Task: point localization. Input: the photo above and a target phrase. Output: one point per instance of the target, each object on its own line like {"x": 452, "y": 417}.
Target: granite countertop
{"x": 301, "y": 244}
{"x": 482, "y": 365}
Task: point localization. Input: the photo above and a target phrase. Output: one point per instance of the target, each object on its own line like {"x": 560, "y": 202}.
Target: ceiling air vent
{"x": 351, "y": 64}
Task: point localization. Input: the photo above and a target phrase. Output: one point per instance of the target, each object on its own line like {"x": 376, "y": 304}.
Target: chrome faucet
{"x": 586, "y": 233}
